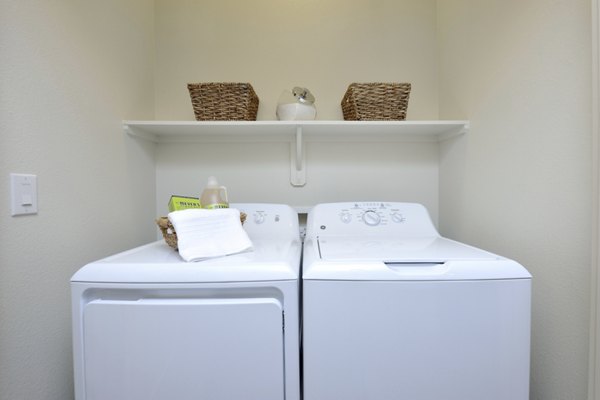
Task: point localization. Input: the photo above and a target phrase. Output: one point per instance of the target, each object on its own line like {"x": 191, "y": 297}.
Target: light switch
{"x": 23, "y": 191}
{"x": 26, "y": 200}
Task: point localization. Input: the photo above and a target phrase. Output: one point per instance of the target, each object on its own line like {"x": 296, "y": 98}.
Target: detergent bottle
{"x": 214, "y": 196}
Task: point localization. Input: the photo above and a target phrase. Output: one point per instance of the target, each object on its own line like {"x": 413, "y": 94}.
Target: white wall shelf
{"x": 297, "y": 133}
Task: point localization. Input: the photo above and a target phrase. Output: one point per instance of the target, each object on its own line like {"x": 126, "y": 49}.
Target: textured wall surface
{"x": 70, "y": 72}
{"x": 276, "y": 45}
{"x": 520, "y": 183}
{"x": 323, "y": 45}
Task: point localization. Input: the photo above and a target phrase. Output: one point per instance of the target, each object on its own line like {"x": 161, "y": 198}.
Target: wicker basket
{"x": 168, "y": 231}
{"x": 376, "y": 101}
{"x": 223, "y": 101}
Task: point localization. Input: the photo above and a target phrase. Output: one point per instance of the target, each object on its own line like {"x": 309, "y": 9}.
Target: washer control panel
{"x": 370, "y": 217}
{"x": 371, "y": 214}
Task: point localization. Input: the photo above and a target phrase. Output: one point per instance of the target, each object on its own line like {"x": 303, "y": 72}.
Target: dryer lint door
{"x": 184, "y": 349}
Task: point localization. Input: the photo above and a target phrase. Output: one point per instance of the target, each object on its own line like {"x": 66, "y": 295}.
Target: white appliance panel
{"x": 391, "y": 249}
{"x": 156, "y": 262}
{"x": 451, "y": 340}
{"x": 391, "y": 310}
{"x": 184, "y": 349}
{"x": 368, "y": 219}
{"x": 147, "y": 325}
{"x": 272, "y": 228}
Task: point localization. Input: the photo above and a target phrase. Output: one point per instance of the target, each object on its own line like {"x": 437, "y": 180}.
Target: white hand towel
{"x": 205, "y": 234}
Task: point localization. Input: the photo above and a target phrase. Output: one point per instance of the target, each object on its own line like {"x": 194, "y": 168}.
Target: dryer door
{"x": 184, "y": 349}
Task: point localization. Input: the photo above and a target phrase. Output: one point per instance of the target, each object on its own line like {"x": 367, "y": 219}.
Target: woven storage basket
{"x": 223, "y": 101}
{"x": 168, "y": 231}
{"x": 376, "y": 101}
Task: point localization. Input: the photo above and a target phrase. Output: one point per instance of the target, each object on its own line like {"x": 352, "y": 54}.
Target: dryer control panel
{"x": 269, "y": 220}
{"x": 370, "y": 218}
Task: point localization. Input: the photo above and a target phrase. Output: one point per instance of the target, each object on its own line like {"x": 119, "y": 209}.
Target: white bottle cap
{"x": 212, "y": 183}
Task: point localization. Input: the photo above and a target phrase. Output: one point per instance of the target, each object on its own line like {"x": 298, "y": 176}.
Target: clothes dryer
{"x": 392, "y": 310}
{"x": 147, "y": 325}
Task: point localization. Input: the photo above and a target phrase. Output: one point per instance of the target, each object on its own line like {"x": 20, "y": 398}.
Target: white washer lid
{"x": 406, "y": 259}
{"x": 407, "y": 249}
{"x": 271, "y": 260}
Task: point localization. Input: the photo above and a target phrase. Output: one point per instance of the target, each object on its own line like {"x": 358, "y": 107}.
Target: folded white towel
{"x": 205, "y": 234}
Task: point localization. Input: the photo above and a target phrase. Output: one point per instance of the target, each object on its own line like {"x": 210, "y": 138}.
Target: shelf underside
{"x": 296, "y": 133}
{"x": 225, "y": 131}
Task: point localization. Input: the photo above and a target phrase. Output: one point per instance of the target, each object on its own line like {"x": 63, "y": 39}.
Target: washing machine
{"x": 392, "y": 310}
{"x": 149, "y": 326}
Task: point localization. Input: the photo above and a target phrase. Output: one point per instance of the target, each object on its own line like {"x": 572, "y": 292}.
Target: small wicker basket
{"x": 168, "y": 231}
{"x": 376, "y": 101}
{"x": 223, "y": 101}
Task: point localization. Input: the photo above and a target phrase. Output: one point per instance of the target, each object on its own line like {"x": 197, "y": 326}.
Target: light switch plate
{"x": 23, "y": 192}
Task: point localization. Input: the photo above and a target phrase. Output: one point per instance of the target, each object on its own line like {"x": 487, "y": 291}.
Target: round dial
{"x": 259, "y": 218}
{"x": 397, "y": 217}
{"x": 346, "y": 217}
{"x": 371, "y": 218}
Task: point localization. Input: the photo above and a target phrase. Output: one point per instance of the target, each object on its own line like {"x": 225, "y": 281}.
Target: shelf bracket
{"x": 297, "y": 159}
{"x": 140, "y": 134}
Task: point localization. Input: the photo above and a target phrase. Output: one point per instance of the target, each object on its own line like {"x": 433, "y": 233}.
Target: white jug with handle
{"x": 214, "y": 196}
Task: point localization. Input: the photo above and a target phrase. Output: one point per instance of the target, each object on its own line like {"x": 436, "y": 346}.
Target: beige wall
{"x": 520, "y": 183}
{"x": 70, "y": 72}
{"x": 323, "y": 45}
{"x": 275, "y": 45}
{"x": 517, "y": 184}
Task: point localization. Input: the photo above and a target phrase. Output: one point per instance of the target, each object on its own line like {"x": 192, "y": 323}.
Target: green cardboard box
{"x": 178, "y": 203}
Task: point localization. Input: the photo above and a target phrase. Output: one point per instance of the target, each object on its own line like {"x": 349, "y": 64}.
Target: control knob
{"x": 346, "y": 217}
{"x": 259, "y": 218}
{"x": 371, "y": 218}
{"x": 397, "y": 217}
